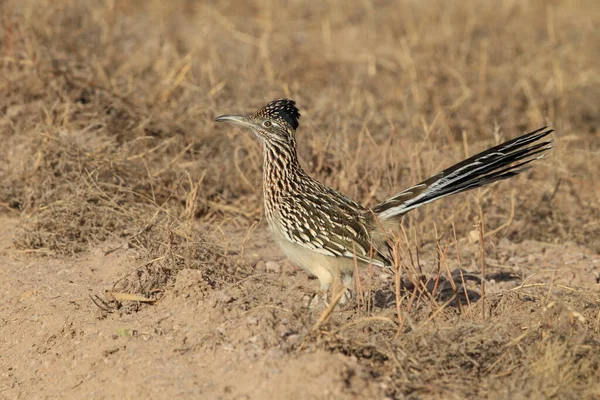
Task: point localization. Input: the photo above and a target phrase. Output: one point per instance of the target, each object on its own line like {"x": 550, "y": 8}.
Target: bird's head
{"x": 275, "y": 122}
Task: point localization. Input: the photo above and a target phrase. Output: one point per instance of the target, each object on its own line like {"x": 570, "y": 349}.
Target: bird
{"x": 328, "y": 234}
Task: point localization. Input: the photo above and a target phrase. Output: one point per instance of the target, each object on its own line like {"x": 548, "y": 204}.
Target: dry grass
{"x": 106, "y": 121}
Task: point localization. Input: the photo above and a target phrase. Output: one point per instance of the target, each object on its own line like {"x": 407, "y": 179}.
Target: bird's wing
{"x": 330, "y": 225}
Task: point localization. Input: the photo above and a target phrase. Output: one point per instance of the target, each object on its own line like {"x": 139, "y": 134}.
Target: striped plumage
{"x": 325, "y": 232}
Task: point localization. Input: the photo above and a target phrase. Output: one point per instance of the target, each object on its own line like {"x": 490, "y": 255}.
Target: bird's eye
{"x": 267, "y": 124}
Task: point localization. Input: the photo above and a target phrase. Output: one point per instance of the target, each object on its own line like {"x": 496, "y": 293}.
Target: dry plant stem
{"x": 243, "y": 178}
{"x": 417, "y": 245}
{"x": 510, "y": 217}
{"x": 247, "y": 236}
{"x": 462, "y": 278}
{"x": 359, "y": 291}
{"x": 133, "y": 270}
{"x": 421, "y": 289}
{"x": 412, "y": 260}
{"x": 173, "y": 161}
{"x": 369, "y": 289}
{"x": 482, "y": 264}
{"x": 508, "y": 346}
{"x": 444, "y": 262}
{"x": 436, "y": 312}
{"x": 410, "y": 272}
{"x": 550, "y": 287}
{"x": 365, "y": 320}
{"x": 398, "y": 273}
{"x": 101, "y": 304}
{"x": 506, "y": 224}
{"x": 439, "y": 260}
{"x": 532, "y": 285}
{"x": 450, "y": 277}
{"x": 415, "y": 281}
{"x": 326, "y": 314}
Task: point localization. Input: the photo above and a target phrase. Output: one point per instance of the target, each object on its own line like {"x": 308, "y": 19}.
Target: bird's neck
{"x": 281, "y": 172}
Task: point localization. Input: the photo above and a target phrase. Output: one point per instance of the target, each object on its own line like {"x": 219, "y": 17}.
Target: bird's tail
{"x": 500, "y": 162}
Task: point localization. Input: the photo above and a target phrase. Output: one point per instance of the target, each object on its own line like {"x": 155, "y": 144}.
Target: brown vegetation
{"x": 110, "y": 158}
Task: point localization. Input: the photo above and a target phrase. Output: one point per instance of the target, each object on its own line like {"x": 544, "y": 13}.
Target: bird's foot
{"x": 322, "y": 299}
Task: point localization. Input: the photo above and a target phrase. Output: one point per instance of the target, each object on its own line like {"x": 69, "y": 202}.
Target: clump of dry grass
{"x": 535, "y": 339}
{"x": 86, "y": 166}
{"x": 411, "y": 101}
{"x": 98, "y": 191}
{"x": 79, "y": 195}
{"x": 522, "y": 343}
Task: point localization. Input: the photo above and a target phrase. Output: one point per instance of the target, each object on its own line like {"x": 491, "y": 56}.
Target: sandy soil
{"x": 193, "y": 344}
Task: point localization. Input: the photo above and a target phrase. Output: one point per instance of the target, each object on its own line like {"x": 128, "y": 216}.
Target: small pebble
{"x": 260, "y": 265}
{"x": 518, "y": 260}
{"x": 228, "y": 346}
{"x": 272, "y": 266}
{"x": 307, "y": 300}
{"x": 294, "y": 339}
{"x": 225, "y": 298}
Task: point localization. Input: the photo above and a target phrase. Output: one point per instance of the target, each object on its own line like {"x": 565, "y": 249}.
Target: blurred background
{"x": 119, "y": 96}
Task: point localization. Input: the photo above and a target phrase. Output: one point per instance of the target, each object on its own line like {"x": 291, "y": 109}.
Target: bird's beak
{"x": 240, "y": 120}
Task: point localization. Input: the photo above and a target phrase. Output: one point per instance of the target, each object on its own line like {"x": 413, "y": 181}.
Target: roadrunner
{"x": 325, "y": 232}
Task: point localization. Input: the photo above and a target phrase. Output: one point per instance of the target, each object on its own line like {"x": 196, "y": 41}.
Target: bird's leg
{"x": 342, "y": 282}
{"x": 348, "y": 282}
{"x": 337, "y": 285}
{"x": 321, "y": 296}
{"x": 324, "y": 294}
{"x": 325, "y": 279}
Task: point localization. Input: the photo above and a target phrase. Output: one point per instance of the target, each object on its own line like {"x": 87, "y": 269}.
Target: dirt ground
{"x": 134, "y": 259}
{"x": 255, "y": 340}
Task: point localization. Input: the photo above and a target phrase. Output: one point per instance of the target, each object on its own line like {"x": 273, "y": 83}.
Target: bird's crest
{"x": 281, "y": 110}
